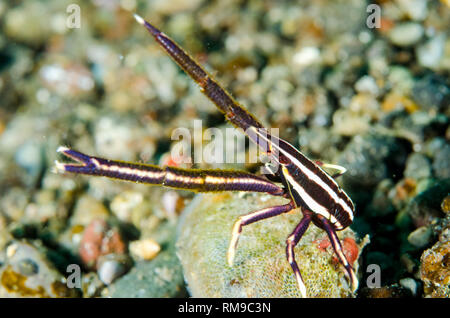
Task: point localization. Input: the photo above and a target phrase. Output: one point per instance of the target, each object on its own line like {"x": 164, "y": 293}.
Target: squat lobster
{"x": 304, "y": 182}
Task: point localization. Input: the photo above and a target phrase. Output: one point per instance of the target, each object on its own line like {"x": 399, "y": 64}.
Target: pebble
{"x": 43, "y": 208}
{"x": 432, "y": 92}
{"x": 367, "y": 84}
{"x": 13, "y": 203}
{"x": 441, "y": 162}
{"x": 145, "y": 249}
{"x": 347, "y": 123}
{"x": 278, "y": 98}
{"x": 406, "y": 33}
{"x": 88, "y": 209}
{"x": 377, "y": 58}
{"x": 337, "y": 80}
{"x": 418, "y": 126}
{"x": 318, "y": 142}
{"x": 370, "y": 159}
{"x": 431, "y": 52}
{"x": 322, "y": 113}
{"x": 365, "y": 105}
{"x": 173, "y": 204}
{"x": 420, "y": 237}
{"x": 403, "y": 192}
{"x": 125, "y": 91}
{"x": 306, "y": 56}
{"x": 410, "y": 284}
{"x": 20, "y": 130}
{"x": 111, "y": 267}
{"x": 91, "y": 285}
{"x": 99, "y": 239}
{"x": 381, "y": 205}
{"x": 432, "y": 146}
{"x": 425, "y": 207}
{"x": 68, "y": 79}
{"x": 124, "y": 203}
{"x": 28, "y": 23}
{"x": 408, "y": 262}
{"x": 395, "y": 102}
{"x": 401, "y": 80}
{"x": 122, "y": 138}
{"x": 417, "y": 166}
{"x": 415, "y": 9}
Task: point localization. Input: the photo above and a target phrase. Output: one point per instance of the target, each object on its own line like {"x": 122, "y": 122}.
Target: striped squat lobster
{"x": 303, "y": 181}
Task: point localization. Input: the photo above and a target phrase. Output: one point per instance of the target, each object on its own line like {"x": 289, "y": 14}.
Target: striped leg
{"x": 190, "y": 179}
{"x": 328, "y": 227}
{"x": 251, "y": 218}
{"x": 291, "y": 242}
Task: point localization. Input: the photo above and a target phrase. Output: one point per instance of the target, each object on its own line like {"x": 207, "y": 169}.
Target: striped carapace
{"x": 302, "y": 180}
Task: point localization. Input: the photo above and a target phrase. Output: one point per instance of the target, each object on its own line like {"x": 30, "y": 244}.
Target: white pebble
{"x": 409, "y": 284}
{"x": 145, "y": 249}
{"x": 367, "y": 84}
{"x": 306, "y": 56}
{"x": 406, "y": 34}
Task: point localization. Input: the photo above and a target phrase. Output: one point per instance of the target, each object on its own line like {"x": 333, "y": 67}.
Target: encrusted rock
{"x": 27, "y": 273}
{"x": 435, "y": 272}
{"x": 260, "y": 266}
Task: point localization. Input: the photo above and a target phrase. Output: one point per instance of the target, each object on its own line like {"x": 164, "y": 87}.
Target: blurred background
{"x": 360, "y": 84}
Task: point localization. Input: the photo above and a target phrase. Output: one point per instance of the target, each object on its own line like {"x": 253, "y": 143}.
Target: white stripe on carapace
{"x": 311, "y": 175}
{"x": 310, "y": 202}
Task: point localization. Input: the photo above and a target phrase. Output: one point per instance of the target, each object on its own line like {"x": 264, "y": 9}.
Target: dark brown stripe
{"x": 309, "y": 164}
{"x": 314, "y": 190}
